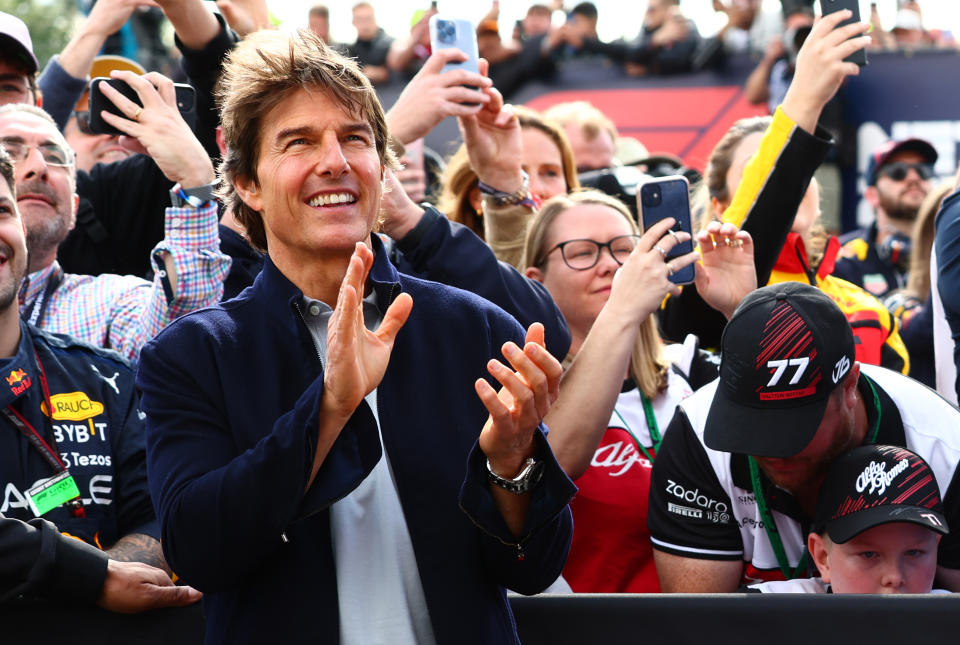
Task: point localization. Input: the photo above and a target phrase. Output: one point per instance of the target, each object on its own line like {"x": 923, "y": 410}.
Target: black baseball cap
{"x": 784, "y": 350}
{"x": 873, "y": 485}
{"x": 879, "y": 156}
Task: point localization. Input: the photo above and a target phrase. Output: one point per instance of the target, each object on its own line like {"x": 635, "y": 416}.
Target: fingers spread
{"x": 396, "y": 316}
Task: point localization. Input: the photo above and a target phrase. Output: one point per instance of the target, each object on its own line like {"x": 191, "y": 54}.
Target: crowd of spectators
{"x": 259, "y": 339}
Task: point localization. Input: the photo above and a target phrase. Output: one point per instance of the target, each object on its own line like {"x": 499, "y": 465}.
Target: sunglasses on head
{"x": 899, "y": 170}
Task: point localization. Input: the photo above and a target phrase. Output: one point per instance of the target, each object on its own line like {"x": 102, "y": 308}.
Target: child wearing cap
{"x": 878, "y": 523}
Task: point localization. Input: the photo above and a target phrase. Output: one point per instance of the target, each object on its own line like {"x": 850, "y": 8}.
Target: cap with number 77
{"x": 784, "y": 350}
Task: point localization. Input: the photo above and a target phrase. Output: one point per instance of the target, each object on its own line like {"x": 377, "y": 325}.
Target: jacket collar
{"x": 275, "y": 289}
{"x": 793, "y": 257}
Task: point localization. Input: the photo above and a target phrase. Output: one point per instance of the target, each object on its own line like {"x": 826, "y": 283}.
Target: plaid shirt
{"x": 123, "y": 312}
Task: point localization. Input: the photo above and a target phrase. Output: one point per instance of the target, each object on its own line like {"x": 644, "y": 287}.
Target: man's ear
{"x": 817, "y": 546}
{"x": 534, "y": 273}
{"x": 76, "y": 207}
{"x": 249, "y": 192}
{"x": 872, "y": 195}
{"x": 849, "y": 385}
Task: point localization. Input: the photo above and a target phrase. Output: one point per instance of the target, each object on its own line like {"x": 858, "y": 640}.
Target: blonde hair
{"x": 918, "y": 279}
{"x": 585, "y": 116}
{"x": 262, "y": 71}
{"x": 648, "y": 361}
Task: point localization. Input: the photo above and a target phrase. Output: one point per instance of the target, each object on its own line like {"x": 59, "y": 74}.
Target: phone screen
{"x": 669, "y": 197}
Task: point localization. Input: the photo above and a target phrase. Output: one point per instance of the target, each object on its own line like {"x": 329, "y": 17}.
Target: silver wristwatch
{"x": 528, "y": 478}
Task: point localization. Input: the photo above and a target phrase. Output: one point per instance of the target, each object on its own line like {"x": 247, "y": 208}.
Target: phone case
{"x": 831, "y": 6}
{"x": 459, "y": 34}
{"x": 185, "y": 95}
{"x": 670, "y": 197}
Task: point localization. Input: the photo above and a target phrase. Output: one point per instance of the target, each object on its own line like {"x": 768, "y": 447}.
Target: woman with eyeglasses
{"x": 622, "y": 384}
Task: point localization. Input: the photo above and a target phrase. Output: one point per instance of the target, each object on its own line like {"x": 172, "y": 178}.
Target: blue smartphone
{"x": 669, "y": 197}
{"x": 456, "y": 34}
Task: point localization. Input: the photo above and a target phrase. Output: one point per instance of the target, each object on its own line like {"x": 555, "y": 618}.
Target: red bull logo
{"x": 18, "y": 381}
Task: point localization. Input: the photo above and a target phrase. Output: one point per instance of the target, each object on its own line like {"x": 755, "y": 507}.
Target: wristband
{"x": 501, "y": 198}
{"x": 194, "y": 197}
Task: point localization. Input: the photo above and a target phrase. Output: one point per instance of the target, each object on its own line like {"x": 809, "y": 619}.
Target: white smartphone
{"x": 446, "y": 33}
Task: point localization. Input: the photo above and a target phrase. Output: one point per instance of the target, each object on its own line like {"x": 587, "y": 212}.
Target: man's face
{"x": 321, "y": 27}
{"x": 45, "y": 193}
{"x": 14, "y": 85}
{"x": 590, "y": 154}
{"x": 91, "y": 149}
{"x": 365, "y": 23}
{"x": 890, "y": 558}
{"x": 900, "y": 199}
{"x": 320, "y": 179}
{"x": 13, "y": 248}
{"x": 536, "y": 23}
{"x": 836, "y": 433}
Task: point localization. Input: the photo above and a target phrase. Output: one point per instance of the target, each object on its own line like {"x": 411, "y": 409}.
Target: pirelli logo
{"x": 686, "y": 511}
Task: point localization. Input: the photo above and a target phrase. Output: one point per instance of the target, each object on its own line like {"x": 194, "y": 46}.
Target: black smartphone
{"x": 669, "y": 197}
{"x": 830, "y": 6}
{"x": 186, "y": 103}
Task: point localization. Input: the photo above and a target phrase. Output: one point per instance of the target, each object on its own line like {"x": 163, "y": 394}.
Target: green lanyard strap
{"x": 651, "y": 426}
{"x": 773, "y": 534}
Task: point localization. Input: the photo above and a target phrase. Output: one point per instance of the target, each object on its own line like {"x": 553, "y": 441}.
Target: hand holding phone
{"x": 153, "y": 120}
{"x": 185, "y": 97}
{"x": 832, "y": 6}
{"x": 669, "y": 197}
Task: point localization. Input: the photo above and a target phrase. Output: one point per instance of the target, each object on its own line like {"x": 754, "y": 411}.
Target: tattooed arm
{"x": 137, "y": 547}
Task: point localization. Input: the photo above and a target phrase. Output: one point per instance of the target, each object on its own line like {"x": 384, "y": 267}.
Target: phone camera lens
{"x": 446, "y": 31}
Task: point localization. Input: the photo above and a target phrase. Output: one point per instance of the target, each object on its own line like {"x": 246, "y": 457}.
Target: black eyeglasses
{"x": 581, "y": 255}
{"x": 899, "y": 170}
{"x": 53, "y": 153}
{"x": 83, "y": 121}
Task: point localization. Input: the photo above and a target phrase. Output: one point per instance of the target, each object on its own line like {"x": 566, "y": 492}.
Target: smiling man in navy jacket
{"x": 327, "y": 453}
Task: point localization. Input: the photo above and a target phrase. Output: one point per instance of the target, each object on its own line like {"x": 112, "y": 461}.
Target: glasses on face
{"x": 53, "y": 153}
{"x": 581, "y": 255}
{"x": 83, "y": 121}
{"x": 899, "y": 170}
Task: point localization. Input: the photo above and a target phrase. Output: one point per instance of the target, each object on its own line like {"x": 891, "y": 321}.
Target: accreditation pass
{"x": 52, "y": 492}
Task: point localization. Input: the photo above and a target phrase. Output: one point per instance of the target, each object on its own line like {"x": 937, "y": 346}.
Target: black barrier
{"x": 576, "y": 619}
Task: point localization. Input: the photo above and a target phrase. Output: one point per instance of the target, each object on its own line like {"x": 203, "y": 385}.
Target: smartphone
{"x": 186, "y": 103}
{"x": 669, "y": 197}
{"x": 457, "y": 34}
{"x": 830, "y": 6}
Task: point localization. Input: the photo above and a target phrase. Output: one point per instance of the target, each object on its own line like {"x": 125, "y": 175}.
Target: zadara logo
{"x": 72, "y": 406}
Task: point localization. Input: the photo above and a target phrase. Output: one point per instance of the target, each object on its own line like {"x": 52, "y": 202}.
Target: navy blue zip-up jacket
{"x": 97, "y": 429}
{"x": 232, "y": 397}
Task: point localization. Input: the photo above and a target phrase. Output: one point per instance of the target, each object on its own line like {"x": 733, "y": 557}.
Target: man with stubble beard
{"x": 898, "y": 179}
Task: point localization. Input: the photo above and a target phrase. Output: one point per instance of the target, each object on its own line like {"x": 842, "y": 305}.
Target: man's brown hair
{"x": 261, "y": 72}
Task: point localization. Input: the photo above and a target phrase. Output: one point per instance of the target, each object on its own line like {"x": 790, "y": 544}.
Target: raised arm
{"x": 191, "y": 268}
{"x": 590, "y": 387}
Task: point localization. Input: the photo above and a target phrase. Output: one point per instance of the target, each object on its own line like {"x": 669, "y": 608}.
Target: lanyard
{"x": 50, "y": 454}
{"x": 773, "y": 534}
{"x": 38, "y": 308}
{"x": 651, "y": 426}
